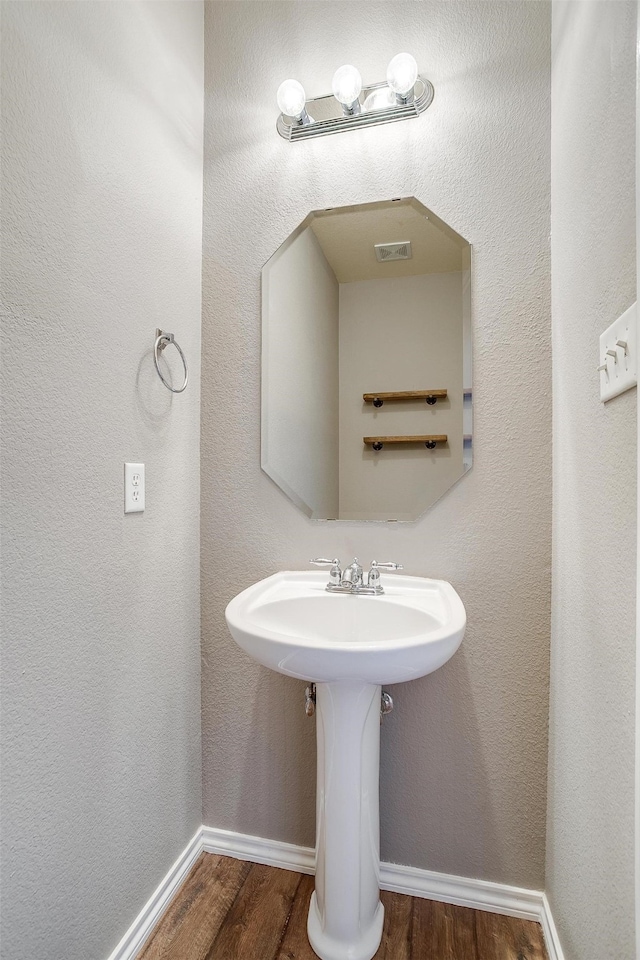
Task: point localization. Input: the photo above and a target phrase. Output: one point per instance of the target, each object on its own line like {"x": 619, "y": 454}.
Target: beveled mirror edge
{"x": 466, "y": 248}
{"x": 467, "y": 357}
{"x": 273, "y": 475}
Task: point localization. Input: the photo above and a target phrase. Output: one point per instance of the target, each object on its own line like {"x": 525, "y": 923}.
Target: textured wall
{"x": 102, "y": 175}
{"x": 300, "y": 386}
{"x": 591, "y": 757}
{"x": 463, "y": 780}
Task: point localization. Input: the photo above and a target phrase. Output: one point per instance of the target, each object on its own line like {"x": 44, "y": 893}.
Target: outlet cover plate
{"x": 622, "y": 370}
{"x": 134, "y": 487}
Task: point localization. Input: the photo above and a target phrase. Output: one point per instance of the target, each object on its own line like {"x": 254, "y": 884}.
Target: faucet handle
{"x": 335, "y": 574}
{"x": 373, "y": 579}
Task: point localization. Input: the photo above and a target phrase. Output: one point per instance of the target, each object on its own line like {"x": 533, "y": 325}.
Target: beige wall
{"x": 101, "y": 206}
{"x": 300, "y": 378}
{"x": 591, "y": 749}
{"x": 101, "y": 200}
{"x": 399, "y": 334}
{"x": 463, "y": 780}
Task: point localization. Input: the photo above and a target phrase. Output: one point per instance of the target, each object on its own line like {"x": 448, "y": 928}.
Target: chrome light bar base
{"x": 328, "y": 116}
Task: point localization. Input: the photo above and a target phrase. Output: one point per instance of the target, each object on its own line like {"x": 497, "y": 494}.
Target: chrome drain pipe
{"x": 386, "y": 704}
{"x": 310, "y": 700}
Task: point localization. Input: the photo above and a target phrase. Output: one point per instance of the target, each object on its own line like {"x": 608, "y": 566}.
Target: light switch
{"x": 618, "y": 364}
{"x": 133, "y": 487}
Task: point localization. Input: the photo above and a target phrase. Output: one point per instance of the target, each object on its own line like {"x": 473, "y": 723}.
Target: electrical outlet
{"x": 619, "y": 356}
{"x": 133, "y": 487}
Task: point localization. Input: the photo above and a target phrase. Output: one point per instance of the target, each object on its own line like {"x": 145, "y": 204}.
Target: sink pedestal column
{"x": 345, "y": 914}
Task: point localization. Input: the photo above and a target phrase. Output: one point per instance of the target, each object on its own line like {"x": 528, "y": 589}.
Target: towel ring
{"x": 163, "y": 340}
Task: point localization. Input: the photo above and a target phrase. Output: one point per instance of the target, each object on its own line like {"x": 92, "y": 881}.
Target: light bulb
{"x": 402, "y": 73}
{"x": 291, "y": 98}
{"x": 346, "y": 85}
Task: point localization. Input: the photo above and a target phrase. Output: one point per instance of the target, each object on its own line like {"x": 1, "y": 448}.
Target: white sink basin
{"x": 348, "y": 645}
{"x": 290, "y": 623}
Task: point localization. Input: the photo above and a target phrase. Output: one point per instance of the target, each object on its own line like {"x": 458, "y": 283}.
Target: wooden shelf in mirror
{"x": 377, "y": 399}
{"x": 429, "y": 440}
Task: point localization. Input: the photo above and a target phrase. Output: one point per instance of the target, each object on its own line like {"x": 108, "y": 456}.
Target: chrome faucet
{"x": 352, "y": 576}
{"x": 353, "y": 579}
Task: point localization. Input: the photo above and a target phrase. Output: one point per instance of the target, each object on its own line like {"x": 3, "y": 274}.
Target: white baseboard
{"x": 477, "y": 894}
{"x": 551, "y": 938}
{"x": 275, "y": 853}
{"x": 412, "y": 881}
{"x": 139, "y": 931}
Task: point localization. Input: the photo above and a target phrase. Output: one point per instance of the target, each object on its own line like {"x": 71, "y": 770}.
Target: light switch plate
{"x": 620, "y": 372}
{"x": 133, "y": 487}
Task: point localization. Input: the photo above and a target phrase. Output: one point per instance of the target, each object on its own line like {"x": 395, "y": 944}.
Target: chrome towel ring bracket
{"x": 163, "y": 339}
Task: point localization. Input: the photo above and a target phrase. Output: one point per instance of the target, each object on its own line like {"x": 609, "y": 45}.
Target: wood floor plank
{"x": 228, "y": 909}
{"x": 396, "y": 934}
{"x": 295, "y": 943}
{"x": 508, "y": 938}
{"x": 191, "y": 924}
{"x": 442, "y": 931}
{"x": 256, "y": 923}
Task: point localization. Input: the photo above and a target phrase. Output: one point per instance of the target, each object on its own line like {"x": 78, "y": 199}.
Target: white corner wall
{"x": 101, "y": 207}
{"x": 590, "y": 849}
{"x": 464, "y": 755}
{"x": 300, "y": 383}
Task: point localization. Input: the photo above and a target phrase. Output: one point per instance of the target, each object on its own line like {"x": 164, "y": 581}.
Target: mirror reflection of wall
{"x": 366, "y": 299}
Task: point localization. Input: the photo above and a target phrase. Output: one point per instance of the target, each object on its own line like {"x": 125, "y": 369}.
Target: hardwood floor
{"x": 231, "y": 910}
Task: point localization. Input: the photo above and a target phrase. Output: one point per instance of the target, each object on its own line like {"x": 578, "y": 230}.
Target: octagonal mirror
{"x": 366, "y": 362}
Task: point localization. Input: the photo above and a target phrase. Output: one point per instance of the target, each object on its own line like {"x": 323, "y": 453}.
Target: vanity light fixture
{"x": 402, "y": 74}
{"x": 347, "y": 87}
{"x": 292, "y": 102}
{"x": 405, "y": 94}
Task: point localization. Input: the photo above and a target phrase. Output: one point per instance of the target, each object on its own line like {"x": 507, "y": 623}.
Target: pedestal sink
{"x": 348, "y": 646}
